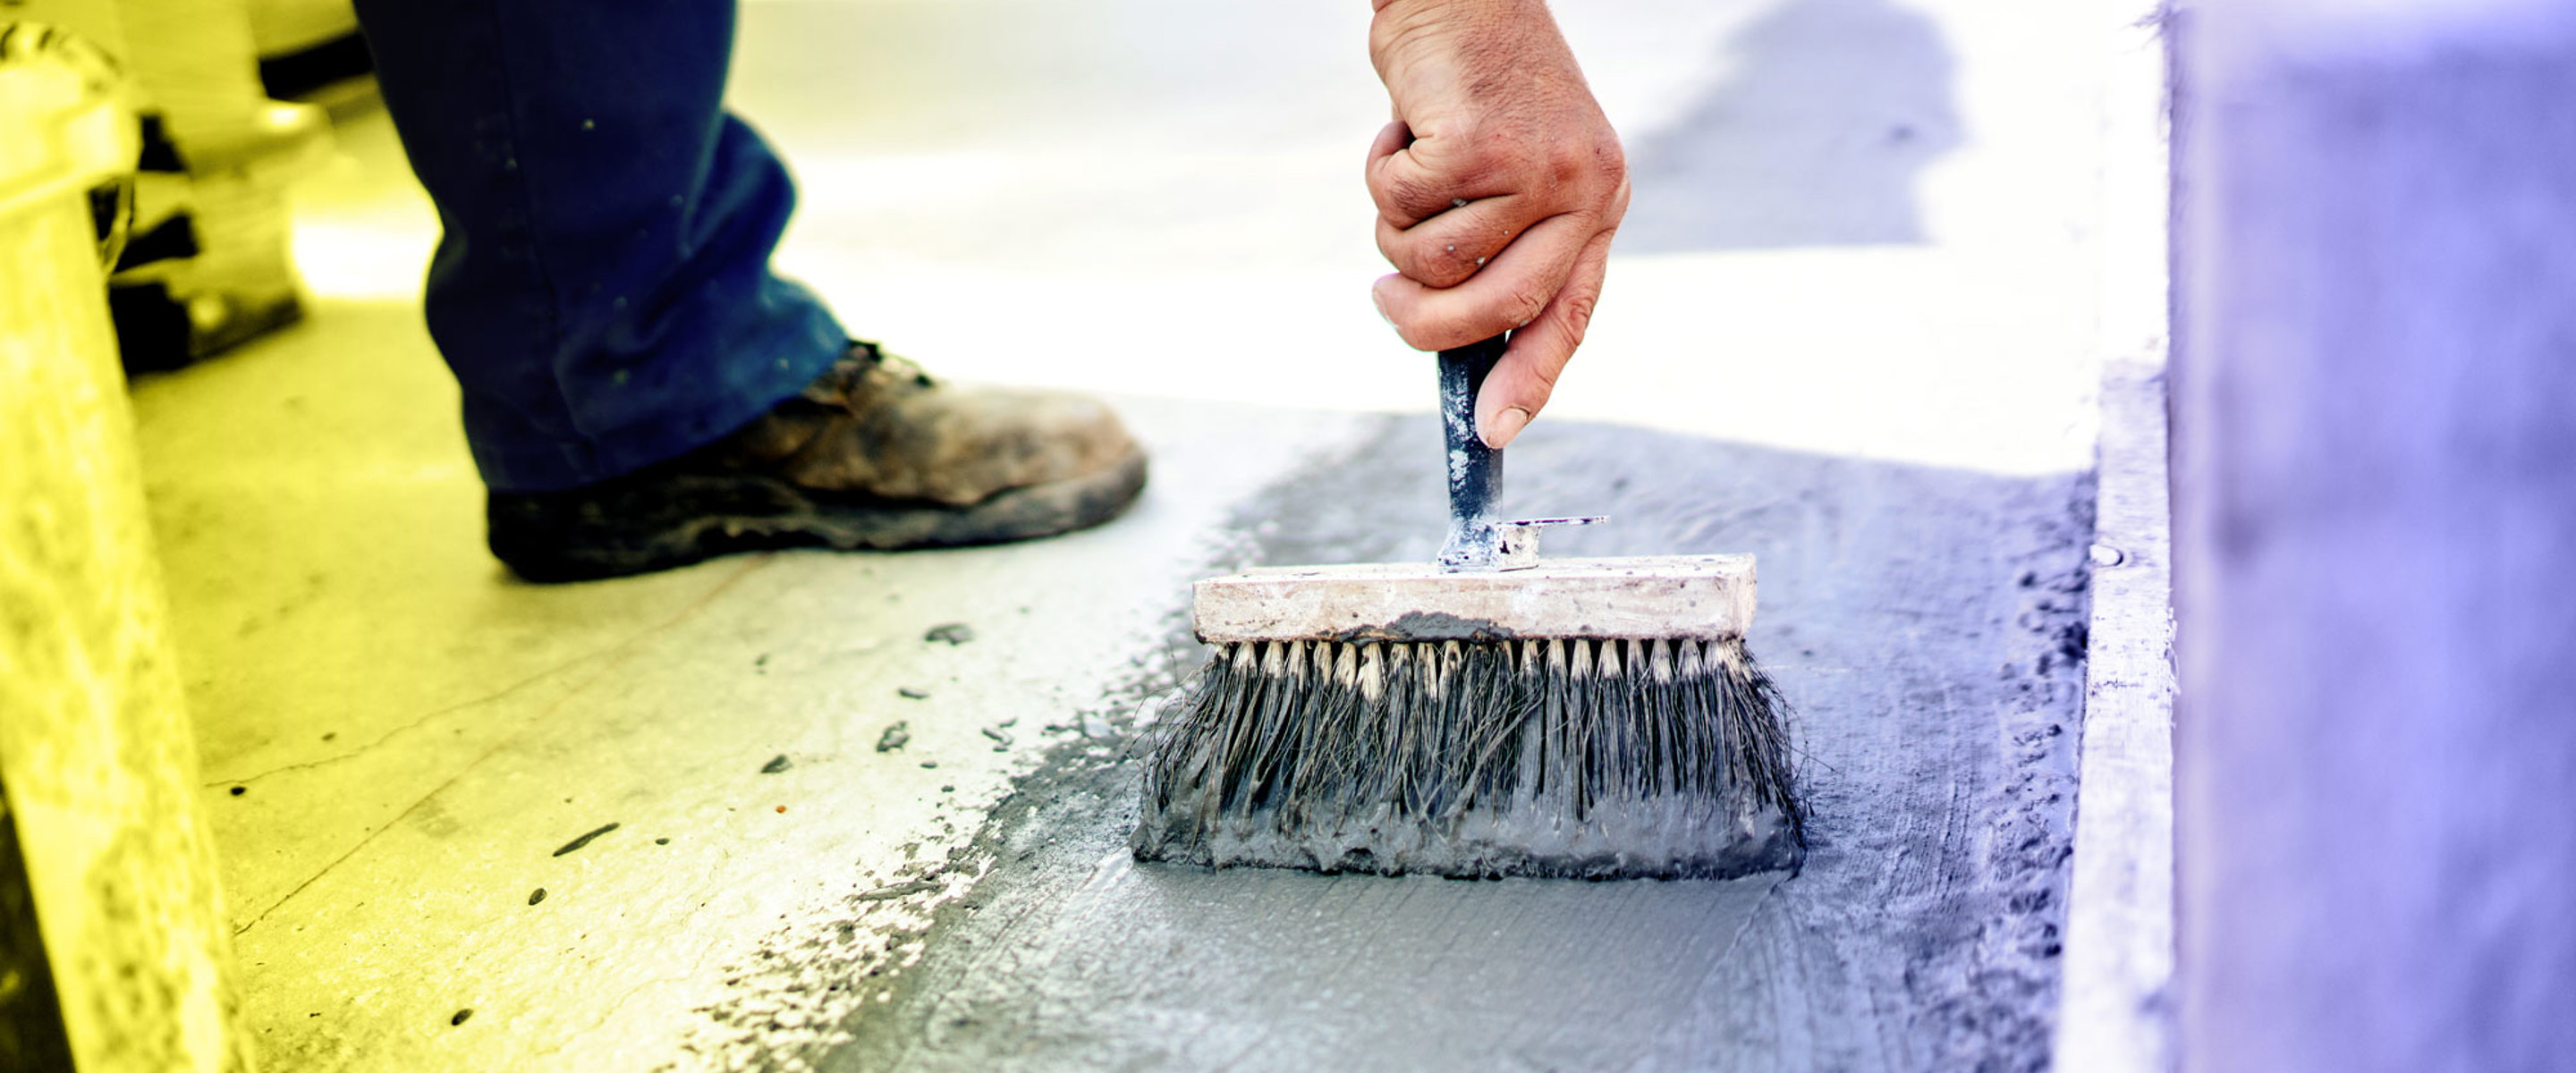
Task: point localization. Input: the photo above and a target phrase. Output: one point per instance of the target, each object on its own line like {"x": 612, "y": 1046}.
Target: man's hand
{"x": 1498, "y": 187}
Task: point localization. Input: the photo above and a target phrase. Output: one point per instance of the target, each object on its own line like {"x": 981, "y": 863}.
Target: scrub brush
{"x": 1487, "y": 715}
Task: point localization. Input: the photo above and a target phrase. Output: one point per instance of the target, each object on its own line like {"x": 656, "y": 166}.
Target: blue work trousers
{"x": 602, "y": 289}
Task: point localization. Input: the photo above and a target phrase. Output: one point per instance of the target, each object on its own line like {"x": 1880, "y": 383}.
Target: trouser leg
{"x": 602, "y": 289}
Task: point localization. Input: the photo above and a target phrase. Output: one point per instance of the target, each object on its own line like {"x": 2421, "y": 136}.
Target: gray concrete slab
{"x": 1888, "y": 405}
{"x": 1926, "y": 623}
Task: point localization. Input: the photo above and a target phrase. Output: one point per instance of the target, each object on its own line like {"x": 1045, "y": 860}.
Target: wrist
{"x": 1410, "y": 26}
{"x": 1428, "y": 7}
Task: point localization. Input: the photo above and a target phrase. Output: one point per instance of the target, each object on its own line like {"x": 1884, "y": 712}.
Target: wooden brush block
{"x": 1702, "y": 597}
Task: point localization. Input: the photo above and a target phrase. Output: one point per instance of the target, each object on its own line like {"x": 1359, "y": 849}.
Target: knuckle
{"x": 1426, "y": 262}
{"x": 1569, "y": 168}
{"x": 1592, "y": 171}
{"x": 1522, "y": 303}
{"x": 1409, "y": 194}
{"x": 1577, "y": 313}
{"x": 1448, "y": 263}
{"x": 1610, "y": 161}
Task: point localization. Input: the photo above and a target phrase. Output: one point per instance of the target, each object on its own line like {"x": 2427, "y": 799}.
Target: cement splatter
{"x": 585, "y": 839}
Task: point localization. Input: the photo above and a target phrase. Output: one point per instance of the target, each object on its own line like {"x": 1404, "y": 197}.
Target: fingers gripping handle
{"x": 1475, "y": 470}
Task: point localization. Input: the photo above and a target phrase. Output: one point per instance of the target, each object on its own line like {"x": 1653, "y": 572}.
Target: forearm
{"x": 1415, "y": 40}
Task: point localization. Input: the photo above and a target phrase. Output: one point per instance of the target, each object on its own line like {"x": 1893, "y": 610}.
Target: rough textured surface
{"x": 1927, "y": 624}
{"x": 406, "y": 724}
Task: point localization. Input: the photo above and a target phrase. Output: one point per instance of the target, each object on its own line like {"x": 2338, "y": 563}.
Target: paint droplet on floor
{"x": 461, "y": 1015}
{"x": 240, "y": 790}
{"x": 782, "y": 809}
{"x": 537, "y": 895}
{"x": 775, "y": 765}
{"x": 894, "y": 737}
{"x": 661, "y": 841}
{"x": 912, "y": 693}
{"x": 955, "y": 633}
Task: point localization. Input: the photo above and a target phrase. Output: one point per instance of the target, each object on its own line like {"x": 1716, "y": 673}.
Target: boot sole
{"x": 657, "y": 521}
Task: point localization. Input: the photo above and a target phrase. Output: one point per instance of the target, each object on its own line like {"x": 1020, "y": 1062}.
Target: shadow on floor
{"x": 1830, "y": 113}
{"x": 1926, "y": 623}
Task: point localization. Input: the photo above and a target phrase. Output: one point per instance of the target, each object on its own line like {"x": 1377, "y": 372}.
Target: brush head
{"x": 1543, "y": 755}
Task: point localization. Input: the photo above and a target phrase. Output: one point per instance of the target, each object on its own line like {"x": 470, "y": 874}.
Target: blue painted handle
{"x": 1475, "y": 470}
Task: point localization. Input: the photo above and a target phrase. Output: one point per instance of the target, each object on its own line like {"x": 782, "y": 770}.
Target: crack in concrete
{"x": 622, "y": 650}
{"x": 417, "y": 723}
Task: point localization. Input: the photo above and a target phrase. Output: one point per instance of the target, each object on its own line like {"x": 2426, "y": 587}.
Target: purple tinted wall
{"x": 2374, "y": 420}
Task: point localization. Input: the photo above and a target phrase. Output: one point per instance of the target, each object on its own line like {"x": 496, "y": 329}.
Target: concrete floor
{"x": 1850, "y": 328}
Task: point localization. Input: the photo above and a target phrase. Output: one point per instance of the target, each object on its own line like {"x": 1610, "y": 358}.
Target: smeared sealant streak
{"x": 1430, "y": 626}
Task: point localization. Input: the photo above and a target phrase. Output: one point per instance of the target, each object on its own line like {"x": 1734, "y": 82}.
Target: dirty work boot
{"x": 872, "y": 454}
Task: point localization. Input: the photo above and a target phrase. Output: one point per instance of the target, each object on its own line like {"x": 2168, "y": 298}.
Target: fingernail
{"x": 1378, "y": 298}
{"x": 1505, "y": 426}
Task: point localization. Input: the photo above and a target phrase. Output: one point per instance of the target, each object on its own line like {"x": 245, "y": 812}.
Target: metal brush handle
{"x": 1475, "y": 470}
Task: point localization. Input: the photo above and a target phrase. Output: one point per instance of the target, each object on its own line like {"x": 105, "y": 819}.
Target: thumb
{"x": 1522, "y": 381}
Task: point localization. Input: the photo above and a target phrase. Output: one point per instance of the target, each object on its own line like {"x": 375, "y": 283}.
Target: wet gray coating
{"x": 1926, "y": 625}
{"x": 1431, "y": 626}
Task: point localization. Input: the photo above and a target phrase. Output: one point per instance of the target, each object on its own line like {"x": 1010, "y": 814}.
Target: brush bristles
{"x": 1596, "y": 759}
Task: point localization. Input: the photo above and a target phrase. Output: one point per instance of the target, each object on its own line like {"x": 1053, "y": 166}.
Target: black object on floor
{"x": 295, "y": 74}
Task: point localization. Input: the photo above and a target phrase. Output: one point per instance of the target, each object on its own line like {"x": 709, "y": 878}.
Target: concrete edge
{"x": 2116, "y": 996}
